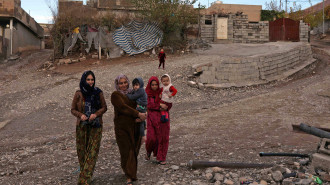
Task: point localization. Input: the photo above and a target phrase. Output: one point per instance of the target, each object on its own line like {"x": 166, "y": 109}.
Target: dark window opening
{"x": 209, "y": 22}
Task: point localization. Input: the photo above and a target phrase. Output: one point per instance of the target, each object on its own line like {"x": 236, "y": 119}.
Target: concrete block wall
{"x": 303, "y": 31}
{"x": 243, "y": 31}
{"x": 261, "y": 69}
{"x": 207, "y": 30}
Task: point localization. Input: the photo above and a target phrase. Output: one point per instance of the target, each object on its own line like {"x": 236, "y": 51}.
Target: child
{"x": 161, "y": 57}
{"x": 168, "y": 91}
{"x": 139, "y": 95}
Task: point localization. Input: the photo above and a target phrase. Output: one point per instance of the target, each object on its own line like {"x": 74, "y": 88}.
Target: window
{"x": 209, "y": 22}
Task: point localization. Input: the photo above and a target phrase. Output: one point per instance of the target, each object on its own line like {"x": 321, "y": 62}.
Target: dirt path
{"x": 37, "y": 146}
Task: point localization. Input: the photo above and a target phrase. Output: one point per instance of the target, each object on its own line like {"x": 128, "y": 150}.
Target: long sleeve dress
{"x": 127, "y": 133}
{"x": 157, "y": 132}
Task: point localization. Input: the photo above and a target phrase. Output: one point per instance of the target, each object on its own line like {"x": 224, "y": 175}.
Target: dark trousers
{"x": 160, "y": 63}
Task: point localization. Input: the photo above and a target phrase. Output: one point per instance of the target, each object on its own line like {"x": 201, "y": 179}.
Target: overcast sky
{"x": 39, "y": 10}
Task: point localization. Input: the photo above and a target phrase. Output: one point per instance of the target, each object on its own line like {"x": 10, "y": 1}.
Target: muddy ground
{"x": 37, "y": 143}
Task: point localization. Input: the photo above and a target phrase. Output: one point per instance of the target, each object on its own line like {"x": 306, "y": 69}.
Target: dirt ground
{"x": 37, "y": 141}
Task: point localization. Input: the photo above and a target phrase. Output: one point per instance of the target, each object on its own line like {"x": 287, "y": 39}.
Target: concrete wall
{"x": 253, "y": 11}
{"x": 240, "y": 30}
{"x": 208, "y": 30}
{"x": 256, "y": 69}
{"x": 114, "y": 4}
{"x": 29, "y": 22}
{"x": 24, "y": 40}
{"x": 303, "y": 32}
{"x": 7, "y": 8}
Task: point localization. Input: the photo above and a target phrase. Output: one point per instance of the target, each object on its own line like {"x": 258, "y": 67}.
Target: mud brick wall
{"x": 303, "y": 31}
{"x": 262, "y": 68}
{"x": 240, "y": 30}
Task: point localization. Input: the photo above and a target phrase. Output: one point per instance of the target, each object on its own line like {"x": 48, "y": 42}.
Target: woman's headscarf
{"x": 87, "y": 90}
{"x": 150, "y": 92}
{"x": 117, "y": 85}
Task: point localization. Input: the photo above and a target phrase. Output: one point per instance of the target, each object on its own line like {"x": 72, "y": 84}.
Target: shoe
{"x": 162, "y": 162}
{"x": 147, "y": 157}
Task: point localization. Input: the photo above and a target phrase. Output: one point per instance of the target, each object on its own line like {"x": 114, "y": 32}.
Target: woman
{"x": 88, "y": 106}
{"x": 157, "y": 133}
{"x": 126, "y": 128}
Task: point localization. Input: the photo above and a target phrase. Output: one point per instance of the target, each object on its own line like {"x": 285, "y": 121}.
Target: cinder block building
{"x": 18, "y": 30}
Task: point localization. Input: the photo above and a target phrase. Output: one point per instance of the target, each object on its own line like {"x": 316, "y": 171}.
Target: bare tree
{"x": 273, "y": 5}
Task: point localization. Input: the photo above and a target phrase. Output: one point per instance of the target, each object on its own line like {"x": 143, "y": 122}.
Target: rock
{"x": 75, "y": 60}
{"x": 279, "y": 168}
{"x": 287, "y": 170}
{"x": 296, "y": 164}
{"x": 304, "y": 182}
{"x": 197, "y": 172}
{"x": 263, "y": 182}
{"x": 243, "y": 179}
{"x": 174, "y": 167}
{"x": 183, "y": 164}
{"x": 255, "y": 183}
{"x": 52, "y": 68}
{"x": 218, "y": 177}
{"x": 229, "y": 182}
{"x": 200, "y": 85}
{"x": 217, "y": 183}
{"x": 277, "y": 176}
{"x": 64, "y": 61}
{"x": 233, "y": 175}
{"x": 191, "y": 83}
{"x": 95, "y": 56}
{"x": 209, "y": 176}
{"x": 287, "y": 182}
{"x": 82, "y": 59}
{"x": 217, "y": 169}
{"x": 304, "y": 162}
{"x": 96, "y": 63}
{"x": 325, "y": 177}
{"x": 209, "y": 170}
{"x": 146, "y": 53}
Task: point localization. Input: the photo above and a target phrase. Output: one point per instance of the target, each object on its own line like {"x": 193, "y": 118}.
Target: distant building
{"x": 100, "y": 7}
{"x": 252, "y": 11}
{"x": 317, "y": 7}
{"x": 18, "y": 30}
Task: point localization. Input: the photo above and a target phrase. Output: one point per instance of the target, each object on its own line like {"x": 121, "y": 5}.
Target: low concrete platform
{"x": 238, "y": 50}
{"x": 237, "y": 65}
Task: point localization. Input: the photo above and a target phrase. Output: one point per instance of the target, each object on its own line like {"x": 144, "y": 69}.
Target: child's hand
{"x": 138, "y": 106}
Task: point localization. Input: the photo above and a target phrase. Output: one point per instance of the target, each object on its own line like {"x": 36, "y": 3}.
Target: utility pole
{"x": 286, "y": 6}
{"x": 323, "y": 18}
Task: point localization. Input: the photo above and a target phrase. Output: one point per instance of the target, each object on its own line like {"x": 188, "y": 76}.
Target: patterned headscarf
{"x": 87, "y": 90}
{"x": 128, "y": 90}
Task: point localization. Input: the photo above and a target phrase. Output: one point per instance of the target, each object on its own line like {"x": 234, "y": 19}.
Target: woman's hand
{"x": 142, "y": 116}
{"x": 163, "y": 106}
{"x": 138, "y": 120}
{"x": 83, "y": 117}
{"x": 92, "y": 117}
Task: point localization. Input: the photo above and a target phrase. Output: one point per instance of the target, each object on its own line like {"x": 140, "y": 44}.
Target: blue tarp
{"x": 137, "y": 37}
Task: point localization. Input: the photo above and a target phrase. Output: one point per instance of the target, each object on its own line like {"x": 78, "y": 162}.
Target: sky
{"x": 40, "y": 11}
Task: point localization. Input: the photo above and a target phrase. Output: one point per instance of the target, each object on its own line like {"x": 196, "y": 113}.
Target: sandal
{"x": 129, "y": 183}
{"x": 147, "y": 157}
{"x": 162, "y": 162}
